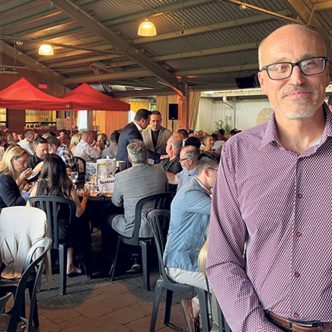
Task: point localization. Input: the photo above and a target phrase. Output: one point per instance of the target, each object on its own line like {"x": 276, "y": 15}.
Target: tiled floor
{"x": 102, "y": 305}
{"x": 96, "y": 305}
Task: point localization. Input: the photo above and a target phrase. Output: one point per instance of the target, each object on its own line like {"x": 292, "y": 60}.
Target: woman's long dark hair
{"x": 54, "y": 177}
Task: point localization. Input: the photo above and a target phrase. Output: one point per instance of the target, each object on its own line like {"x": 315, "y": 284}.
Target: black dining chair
{"x": 52, "y": 205}
{"x": 30, "y": 279}
{"x": 158, "y": 220}
{"x": 162, "y": 200}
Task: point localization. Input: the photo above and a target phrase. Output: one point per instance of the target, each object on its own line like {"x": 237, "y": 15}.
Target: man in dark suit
{"x": 132, "y": 131}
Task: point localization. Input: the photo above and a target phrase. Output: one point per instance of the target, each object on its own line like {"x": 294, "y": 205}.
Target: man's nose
{"x": 297, "y": 77}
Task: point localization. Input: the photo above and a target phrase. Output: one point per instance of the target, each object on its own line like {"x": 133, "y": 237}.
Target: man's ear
{"x": 262, "y": 79}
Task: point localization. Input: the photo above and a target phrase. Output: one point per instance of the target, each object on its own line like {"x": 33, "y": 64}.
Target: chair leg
{"x": 204, "y": 308}
{"x": 168, "y": 306}
{"x": 156, "y": 301}
{"x": 226, "y": 327}
{"x": 113, "y": 267}
{"x": 34, "y": 308}
{"x": 145, "y": 262}
{"x": 63, "y": 268}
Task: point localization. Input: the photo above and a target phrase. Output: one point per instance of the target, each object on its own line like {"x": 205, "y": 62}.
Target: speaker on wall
{"x": 173, "y": 110}
{"x": 246, "y": 82}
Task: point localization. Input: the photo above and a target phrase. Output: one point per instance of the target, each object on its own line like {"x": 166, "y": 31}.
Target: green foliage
{"x": 227, "y": 129}
{"x": 220, "y": 124}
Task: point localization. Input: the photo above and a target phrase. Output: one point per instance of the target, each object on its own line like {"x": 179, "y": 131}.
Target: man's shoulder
{"x": 80, "y": 144}
{"x": 165, "y": 130}
{"x": 128, "y": 127}
{"x": 190, "y": 190}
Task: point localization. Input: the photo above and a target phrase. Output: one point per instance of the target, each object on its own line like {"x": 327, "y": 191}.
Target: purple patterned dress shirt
{"x": 279, "y": 204}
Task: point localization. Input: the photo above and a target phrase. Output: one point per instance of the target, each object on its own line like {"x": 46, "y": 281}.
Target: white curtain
{"x": 194, "y": 100}
{"x": 245, "y": 114}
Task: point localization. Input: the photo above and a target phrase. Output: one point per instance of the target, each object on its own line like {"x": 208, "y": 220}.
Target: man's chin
{"x": 299, "y": 115}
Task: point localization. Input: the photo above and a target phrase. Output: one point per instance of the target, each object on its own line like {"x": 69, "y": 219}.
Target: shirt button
{"x": 299, "y": 195}
{"x": 296, "y": 274}
{"x": 298, "y": 234}
{"x": 296, "y": 315}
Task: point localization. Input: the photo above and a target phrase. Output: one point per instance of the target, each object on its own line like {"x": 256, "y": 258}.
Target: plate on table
{"x": 95, "y": 193}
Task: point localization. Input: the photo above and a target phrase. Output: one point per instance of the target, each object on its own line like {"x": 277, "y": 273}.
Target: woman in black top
{"x": 53, "y": 181}
{"x": 13, "y": 175}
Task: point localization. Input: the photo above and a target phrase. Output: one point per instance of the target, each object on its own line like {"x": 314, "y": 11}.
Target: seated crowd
{"x": 157, "y": 161}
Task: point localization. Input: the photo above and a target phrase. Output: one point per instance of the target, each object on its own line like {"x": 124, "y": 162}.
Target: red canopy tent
{"x": 23, "y": 95}
{"x": 86, "y": 98}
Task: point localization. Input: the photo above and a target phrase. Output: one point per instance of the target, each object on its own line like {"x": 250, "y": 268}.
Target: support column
{"x": 15, "y": 120}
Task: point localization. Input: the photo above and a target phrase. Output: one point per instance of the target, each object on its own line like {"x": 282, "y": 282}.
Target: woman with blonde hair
{"x": 13, "y": 175}
{"x": 75, "y": 139}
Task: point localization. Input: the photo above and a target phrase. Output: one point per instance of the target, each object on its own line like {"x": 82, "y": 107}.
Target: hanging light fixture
{"x": 46, "y": 49}
{"x": 147, "y": 29}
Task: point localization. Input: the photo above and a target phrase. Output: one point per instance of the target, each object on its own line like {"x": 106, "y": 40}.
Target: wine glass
{"x": 74, "y": 177}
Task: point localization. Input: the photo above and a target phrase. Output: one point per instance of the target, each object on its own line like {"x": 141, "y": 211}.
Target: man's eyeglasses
{"x": 183, "y": 159}
{"x": 213, "y": 169}
{"x": 308, "y": 67}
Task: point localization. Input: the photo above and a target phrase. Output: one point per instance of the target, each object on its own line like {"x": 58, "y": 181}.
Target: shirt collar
{"x": 138, "y": 126}
{"x": 202, "y": 186}
{"x": 271, "y": 133}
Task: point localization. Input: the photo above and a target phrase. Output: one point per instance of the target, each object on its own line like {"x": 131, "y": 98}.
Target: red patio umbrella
{"x": 24, "y": 95}
{"x": 86, "y": 98}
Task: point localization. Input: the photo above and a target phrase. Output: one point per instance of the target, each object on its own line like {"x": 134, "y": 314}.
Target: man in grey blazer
{"x": 131, "y": 185}
{"x": 155, "y": 137}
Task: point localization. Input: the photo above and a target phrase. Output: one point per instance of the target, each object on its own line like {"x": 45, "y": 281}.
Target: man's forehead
{"x": 155, "y": 117}
{"x": 289, "y": 41}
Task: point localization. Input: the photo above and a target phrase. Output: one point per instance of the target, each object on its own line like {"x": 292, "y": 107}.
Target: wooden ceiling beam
{"x": 29, "y": 62}
{"x": 144, "y": 73}
{"x": 217, "y": 70}
{"x": 323, "y": 5}
{"x": 167, "y": 57}
{"x": 107, "y": 77}
{"x": 206, "y": 52}
{"x": 308, "y": 17}
{"x": 120, "y": 44}
{"x": 142, "y": 93}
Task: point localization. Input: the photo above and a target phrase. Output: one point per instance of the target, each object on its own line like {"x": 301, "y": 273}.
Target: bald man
{"x": 269, "y": 257}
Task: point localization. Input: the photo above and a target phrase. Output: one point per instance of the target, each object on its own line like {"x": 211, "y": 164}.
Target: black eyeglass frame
{"x": 293, "y": 64}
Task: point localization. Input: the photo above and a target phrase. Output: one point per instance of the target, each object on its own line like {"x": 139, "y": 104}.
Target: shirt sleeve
{"x": 202, "y": 203}
{"x": 10, "y": 192}
{"x": 117, "y": 197}
{"x": 91, "y": 152}
{"x": 225, "y": 263}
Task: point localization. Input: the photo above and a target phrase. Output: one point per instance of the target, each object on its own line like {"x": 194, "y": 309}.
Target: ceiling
{"x": 201, "y": 44}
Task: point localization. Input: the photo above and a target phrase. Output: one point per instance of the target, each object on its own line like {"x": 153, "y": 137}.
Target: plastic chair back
{"x": 20, "y": 228}
{"x": 33, "y": 268}
{"x": 157, "y": 201}
{"x": 52, "y": 205}
{"x": 158, "y": 220}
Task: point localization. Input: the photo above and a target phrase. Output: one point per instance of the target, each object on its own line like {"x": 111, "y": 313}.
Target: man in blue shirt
{"x": 190, "y": 215}
{"x": 188, "y": 161}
